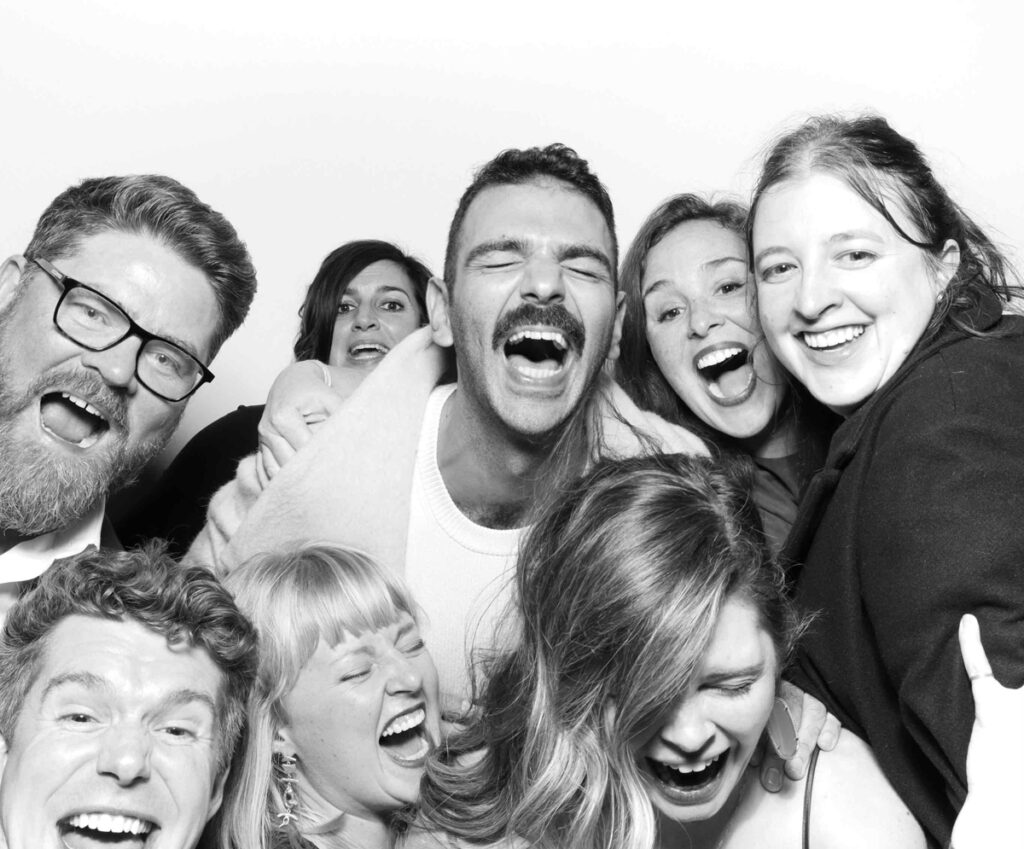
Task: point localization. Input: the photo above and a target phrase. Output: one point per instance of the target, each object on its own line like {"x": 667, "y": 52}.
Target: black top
{"x": 175, "y": 509}
{"x": 917, "y": 518}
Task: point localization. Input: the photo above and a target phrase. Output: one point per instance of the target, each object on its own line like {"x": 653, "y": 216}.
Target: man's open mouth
{"x": 98, "y": 830}
{"x": 689, "y": 782}
{"x": 367, "y": 351}
{"x": 728, "y": 372}
{"x": 405, "y": 739}
{"x": 537, "y": 353}
{"x": 72, "y": 419}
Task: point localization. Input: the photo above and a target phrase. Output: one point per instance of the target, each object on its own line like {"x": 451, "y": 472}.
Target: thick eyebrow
{"x": 773, "y": 249}
{"x": 88, "y": 680}
{"x": 515, "y": 246}
{"x": 578, "y": 250}
{"x": 186, "y": 696}
{"x": 722, "y": 260}
{"x": 755, "y": 670}
{"x": 658, "y": 284}
{"x": 91, "y": 681}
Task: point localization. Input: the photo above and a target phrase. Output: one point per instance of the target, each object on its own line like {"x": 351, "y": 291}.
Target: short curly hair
{"x": 513, "y": 167}
{"x": 186, "y": 605}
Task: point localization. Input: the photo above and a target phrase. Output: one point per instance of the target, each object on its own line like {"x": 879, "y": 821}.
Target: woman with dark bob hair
{"x": 654, "y": 627}
{"x": 893, "y": 307}
{"x": 367, "y": 296}
{"x": 693, "y": 352}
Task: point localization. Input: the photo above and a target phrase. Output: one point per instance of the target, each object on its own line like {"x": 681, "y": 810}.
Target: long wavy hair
{"x": 295, "y": 598}
{"x": 619, "y": 591}
{"x": 885, "y": 167}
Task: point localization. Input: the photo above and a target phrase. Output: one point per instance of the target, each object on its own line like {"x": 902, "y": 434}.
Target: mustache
{"x": 84, "y": 385}
{"x": 556, "y": 316}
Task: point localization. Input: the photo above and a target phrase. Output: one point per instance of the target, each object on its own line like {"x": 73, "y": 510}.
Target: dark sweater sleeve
{"x": 942, "y": 534}
{"x": 175, "y": 510}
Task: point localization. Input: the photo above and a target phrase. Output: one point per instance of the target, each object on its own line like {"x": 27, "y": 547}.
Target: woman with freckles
{"x": 693, "y": 351}
{"x": 345, "y": 708}
{"x": 893, "y": 307}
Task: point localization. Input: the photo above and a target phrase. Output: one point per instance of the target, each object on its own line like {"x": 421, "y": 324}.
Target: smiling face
{"x": 695, "y": 762}
{"x": 115, "y": 744}
{"x": 377, "y": 311}
{"x": 703, "y": 331}
{"x": 533, "y": 308}
{"x": 843, "y": 298}
{"x": 361, "y": 719}
{"x": 74, "y": 421}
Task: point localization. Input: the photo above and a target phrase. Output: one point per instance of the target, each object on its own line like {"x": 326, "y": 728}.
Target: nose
{"x": 115, "y": 365}
{"x": 689, "y": 730}
{"x": 704, "y": 316}
{"x": 542, "y": 282}
{"x": 403, "y": 676}
{"x": 366, "y": 317}
{"x": 124, "y": 754}
{"x": 815, "y": 294}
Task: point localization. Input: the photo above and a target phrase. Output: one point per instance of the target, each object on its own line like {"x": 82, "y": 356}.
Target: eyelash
{"x": 736, "y": 689}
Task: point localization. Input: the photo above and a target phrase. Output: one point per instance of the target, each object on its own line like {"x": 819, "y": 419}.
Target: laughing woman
{"x": 693, "y": 351}
{"x": 880, "y": 295}
{"x": 345, "y": 708}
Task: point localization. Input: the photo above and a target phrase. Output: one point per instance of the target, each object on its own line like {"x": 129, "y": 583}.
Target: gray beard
{"x": 43, "y": 489}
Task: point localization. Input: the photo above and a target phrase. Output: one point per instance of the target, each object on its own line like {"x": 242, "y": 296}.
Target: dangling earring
{"x": 285, "y": 774}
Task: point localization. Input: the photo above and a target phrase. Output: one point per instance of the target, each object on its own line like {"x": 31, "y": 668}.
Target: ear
{"x": 949, "y": 262}
{"x": 218, "y": 793}
{"x": 620, "y": 315}
{"x": 12, "y": 273}
{"x": 437, "y": 309}
{"x": 283, "y": 743}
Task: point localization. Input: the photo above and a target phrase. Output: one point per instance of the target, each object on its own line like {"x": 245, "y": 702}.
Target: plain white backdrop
{"x": 312, "y": 123}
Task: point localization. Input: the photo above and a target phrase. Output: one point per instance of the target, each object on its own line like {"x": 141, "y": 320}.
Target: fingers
{"x": 812, "y": 721}
{"x": 771, "y": 771}
{"x": 828, "y": 739}
{"x": 975, "y": 659}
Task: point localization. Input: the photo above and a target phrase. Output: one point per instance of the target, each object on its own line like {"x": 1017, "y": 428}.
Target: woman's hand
{"x": 299, "y": 398}
{"x": 995, "y": 775}
{"x": 812, "y": 725}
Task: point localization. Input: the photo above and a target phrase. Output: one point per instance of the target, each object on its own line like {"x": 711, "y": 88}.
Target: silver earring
{"x": 285, "y": 773}
{"x": 939, "y": 298}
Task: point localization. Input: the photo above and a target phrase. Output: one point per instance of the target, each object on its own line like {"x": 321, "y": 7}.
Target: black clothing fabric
{"x": 917, "y": 518}
{"x": 175, "y": 509}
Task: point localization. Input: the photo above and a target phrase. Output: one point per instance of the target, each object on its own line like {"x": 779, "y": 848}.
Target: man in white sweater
{"x": 439, "y": 483}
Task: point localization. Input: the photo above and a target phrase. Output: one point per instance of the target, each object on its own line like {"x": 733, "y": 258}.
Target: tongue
{"x": 519, "y": 361}
{"x": 733, "y": 383}
{"x": 408, "y": 745}
{"x": 87, "y": 838}
{"x": 66, "y": 420}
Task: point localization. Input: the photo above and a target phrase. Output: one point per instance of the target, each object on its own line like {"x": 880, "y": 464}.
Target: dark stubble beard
{"x": 43, "y": 489}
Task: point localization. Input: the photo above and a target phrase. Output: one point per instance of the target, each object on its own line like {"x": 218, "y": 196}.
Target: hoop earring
{"x": 285, "y": 772}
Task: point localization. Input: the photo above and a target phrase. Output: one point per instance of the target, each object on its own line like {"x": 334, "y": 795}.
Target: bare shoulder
{"x": 854, "y": 805}
{"x": 420, "y": 839}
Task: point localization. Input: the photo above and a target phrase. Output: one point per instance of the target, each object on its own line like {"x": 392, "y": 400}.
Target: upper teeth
{"x": 829, "y": 338}
{"x": 111, "y": 823}
{"x": 719, "y": 356}
{"x": 405, "y": 722}
{"x": 369, "y": 347}
{"x": 546, "y": 335}
{"x": 698, "y": 767}
{"x": 85, "y": 405}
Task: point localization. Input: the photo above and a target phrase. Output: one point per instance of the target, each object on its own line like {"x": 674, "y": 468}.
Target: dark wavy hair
{"x": 187, "y": 605}
{"x": 515, "y": 166}
{"x": 165, "y": 209}
{"x": 883, "y": 166}
{"x": 619, "y": 591}
{"x": 339, "y": 268}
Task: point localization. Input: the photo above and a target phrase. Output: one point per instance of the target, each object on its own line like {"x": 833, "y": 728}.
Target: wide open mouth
{"x": 405, "y": 739}
{"x": 105, "y": 831}
{"x": 689, "y": 780}
{"x": 831, "y": 340}
{"x": 537, "y": 352}
{"x": 367, "y": 351}
{"x": 72, "y": 419}
{"x": 728, "y": 372}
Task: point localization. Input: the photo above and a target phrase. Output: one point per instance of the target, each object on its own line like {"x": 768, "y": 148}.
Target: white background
{"x": 312, "y": 123}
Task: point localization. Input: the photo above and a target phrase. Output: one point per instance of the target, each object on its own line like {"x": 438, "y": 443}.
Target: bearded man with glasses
{"x": 108, "y": 323}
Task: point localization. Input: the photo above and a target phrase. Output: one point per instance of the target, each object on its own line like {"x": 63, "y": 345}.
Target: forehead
{"x": 381, "y": 274}
{"x": 541, "y": 213}
{"x": 740, "y": 638}
{"x": 133, "y": 662}
{"x": 690, "y": 245}
{"x": 158, "y": 288}
{"x": 822, "y": 203}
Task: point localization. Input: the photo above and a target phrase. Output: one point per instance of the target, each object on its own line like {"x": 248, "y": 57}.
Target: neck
{"x": 352, "y": 831}
{"x": 9, "y": 539}
{"x": 711, "y": 833}
{"x": 779, "y": 439}
{"x": 493, "y": 475}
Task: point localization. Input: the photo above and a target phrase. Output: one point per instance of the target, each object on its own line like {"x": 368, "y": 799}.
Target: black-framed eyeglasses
{"x": 90, "y": 319}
